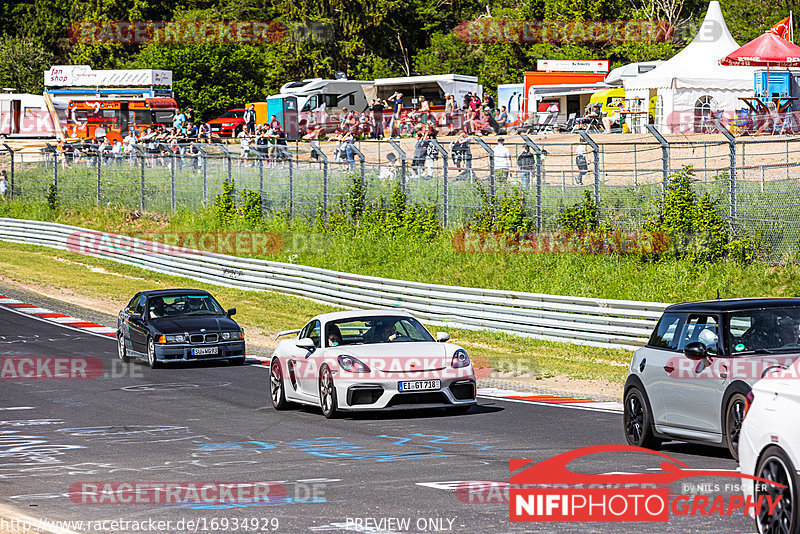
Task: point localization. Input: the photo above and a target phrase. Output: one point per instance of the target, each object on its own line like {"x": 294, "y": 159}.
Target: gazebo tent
{"x": 692, "y": 83}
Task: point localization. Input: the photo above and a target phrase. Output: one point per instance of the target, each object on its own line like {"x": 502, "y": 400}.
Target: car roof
{"x": 337, "y": 316}
{"x": 176, "y": 291}
{"x": 729, "y": 305}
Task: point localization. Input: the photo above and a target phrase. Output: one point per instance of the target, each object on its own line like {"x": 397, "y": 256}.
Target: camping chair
{"x": 567, "y": 126}
{"x": 548, "y": 123}
{"x": 777, "y": 119}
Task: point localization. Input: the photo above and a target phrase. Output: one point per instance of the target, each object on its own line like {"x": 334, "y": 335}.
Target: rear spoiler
{"x": 286, "y": 333}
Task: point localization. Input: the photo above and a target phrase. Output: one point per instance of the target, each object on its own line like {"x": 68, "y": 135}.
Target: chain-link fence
{"x": 755, "y": 181}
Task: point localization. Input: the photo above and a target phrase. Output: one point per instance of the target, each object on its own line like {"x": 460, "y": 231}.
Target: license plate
{"x": 205, "y": 351}
{"x": 419, "y": 385}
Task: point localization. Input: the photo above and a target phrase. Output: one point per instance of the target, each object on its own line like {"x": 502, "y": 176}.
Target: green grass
{"x": 267, "y": 313}
{"x": 586, "y": 275}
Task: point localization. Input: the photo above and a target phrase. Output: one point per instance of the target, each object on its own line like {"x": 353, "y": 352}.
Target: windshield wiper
{"x": 755, "y": 351}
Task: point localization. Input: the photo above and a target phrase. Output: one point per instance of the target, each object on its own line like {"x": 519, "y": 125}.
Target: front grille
{"x": 203, "y": 338}
{"x": 436, "y": 397}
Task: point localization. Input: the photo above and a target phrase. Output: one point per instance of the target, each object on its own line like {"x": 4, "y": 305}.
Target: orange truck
{"x": 117, "y": 116}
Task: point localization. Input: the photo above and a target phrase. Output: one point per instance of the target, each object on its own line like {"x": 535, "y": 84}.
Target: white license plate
{"x": 205, "y": 351}
{"x": 419, "y": 385}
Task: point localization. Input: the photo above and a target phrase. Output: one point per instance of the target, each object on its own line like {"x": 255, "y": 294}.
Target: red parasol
{"x": 768, "y": 50}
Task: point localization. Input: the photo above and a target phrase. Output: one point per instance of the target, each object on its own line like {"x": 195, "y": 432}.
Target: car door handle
{"x": 669, "y": 368}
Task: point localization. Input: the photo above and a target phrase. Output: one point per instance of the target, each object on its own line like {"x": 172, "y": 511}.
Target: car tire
{"x": 327, "y": 393}
{"x": 734, "y": 415}
{"x": 277, "y": 391}
{"x": 776, "y": 466}
{"x": 638, "y": 422}
{"x": 122, "y": 350}
{"x": 152, "y": 362}
{"x": 236, "y": 361}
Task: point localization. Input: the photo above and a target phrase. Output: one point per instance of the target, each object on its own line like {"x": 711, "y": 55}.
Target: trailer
{"x": 25, "y": 115}
{"x": 325, "y": 99}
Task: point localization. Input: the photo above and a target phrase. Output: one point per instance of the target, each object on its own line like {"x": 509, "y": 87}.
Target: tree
{"x": 23, "y": 61}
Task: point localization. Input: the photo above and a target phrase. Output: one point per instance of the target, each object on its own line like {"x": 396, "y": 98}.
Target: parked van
{"x": 26, "y": 115}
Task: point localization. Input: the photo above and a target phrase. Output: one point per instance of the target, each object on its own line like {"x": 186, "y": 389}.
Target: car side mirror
{"x": 135, "y": 317}
{"x": 695, "y": 351}
{"x": 305, "y": 343}
{"x": 231, "y": 311}
{"x": 442, "y": 337}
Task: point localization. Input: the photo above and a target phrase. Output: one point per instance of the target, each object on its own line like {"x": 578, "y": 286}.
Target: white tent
{"x": 692, "y": 84}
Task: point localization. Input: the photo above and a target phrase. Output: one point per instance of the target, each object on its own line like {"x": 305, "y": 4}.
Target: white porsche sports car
{"x": 370, "y": 360}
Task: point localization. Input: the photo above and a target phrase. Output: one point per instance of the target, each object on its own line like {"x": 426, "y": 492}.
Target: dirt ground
{"x": 624, "y": 159}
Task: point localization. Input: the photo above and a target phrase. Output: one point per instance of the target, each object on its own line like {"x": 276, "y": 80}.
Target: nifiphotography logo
{"x": 548, "y": 491}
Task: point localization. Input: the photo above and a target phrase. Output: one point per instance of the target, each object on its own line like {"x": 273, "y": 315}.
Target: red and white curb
{"x": 530, "y": 398}
{"x": 55, "y": 317}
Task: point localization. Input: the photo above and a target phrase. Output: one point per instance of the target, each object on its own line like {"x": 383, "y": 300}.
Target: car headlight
{"x": 180, "y": 338}
{"x": 460, "y": 359}
{"x": 353, "y": 365}
{"x": 226, "y": 335}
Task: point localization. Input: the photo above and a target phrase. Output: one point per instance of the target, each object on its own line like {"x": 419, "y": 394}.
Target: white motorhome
{"x": 326, "y": 98}
{"x": 433, "y": 88}
{"x": 27, "y": 115}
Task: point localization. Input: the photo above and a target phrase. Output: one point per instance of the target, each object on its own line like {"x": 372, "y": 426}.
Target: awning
{"x": 568, "y": 91}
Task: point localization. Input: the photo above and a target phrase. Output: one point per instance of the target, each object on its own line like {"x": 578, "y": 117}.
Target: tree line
{"x": 366, "y": 39}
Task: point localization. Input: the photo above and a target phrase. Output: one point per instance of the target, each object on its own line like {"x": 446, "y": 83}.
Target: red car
{"x": 230, "y": 124}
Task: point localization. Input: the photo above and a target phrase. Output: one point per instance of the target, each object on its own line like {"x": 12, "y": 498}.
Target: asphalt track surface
{"x": 214, "y": 423}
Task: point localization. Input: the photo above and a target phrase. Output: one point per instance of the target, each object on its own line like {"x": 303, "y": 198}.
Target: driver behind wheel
{"x": 157, "y": 308}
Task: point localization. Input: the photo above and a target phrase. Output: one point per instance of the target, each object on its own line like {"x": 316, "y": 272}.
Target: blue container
{"x": 780, "y": 83}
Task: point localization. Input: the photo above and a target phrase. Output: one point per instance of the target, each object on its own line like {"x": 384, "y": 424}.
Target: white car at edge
{"x": 370, "y": 360}
{"x": 769, "y": 447}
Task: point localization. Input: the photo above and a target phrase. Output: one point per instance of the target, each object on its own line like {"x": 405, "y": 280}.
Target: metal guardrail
{"x": 585, "y": 321}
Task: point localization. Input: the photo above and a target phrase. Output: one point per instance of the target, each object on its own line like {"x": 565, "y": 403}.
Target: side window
{"x": 352, "y": 100}
{"x": 702, "y": 328}
{"x": 311, "y": 103}
{"x": 314, "y": 334}
{"x": 663, "y": 336}
{"x": 311, "y": 330}
{"x": 133, "y": 302}
{"x": 140, "y": 306}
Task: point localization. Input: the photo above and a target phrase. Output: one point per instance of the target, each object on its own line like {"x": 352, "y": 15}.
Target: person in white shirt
{"x": 502, "y": 160}
{"x": 244, "y": 139}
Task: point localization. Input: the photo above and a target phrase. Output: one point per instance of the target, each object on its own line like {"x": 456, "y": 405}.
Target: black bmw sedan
{"x": 178, "y": 325}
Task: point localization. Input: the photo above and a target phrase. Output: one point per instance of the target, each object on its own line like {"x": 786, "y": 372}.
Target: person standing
{"x": 3, "y": 185}
{"x": 178, "y": 120}
{"x": 377, "y": 119}
{"x": 424, "y": 110}
{"x": 397, "y": 102}
{"x": 526, "y": 162}
{"x": 250, "y": 119}
{"x": 449, "y": 108}
{"x": 580, "y": 161}
{"x": 502, "y": 160}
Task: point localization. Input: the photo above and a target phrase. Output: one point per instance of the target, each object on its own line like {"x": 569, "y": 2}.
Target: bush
{"x": 52, "y": 197}
{"x": 395, "y": 216}
{"x": 693, "y": 225}
{"x": 583, "y": 217}
{"x": 225, "y": 205}
{"x": 506, "y": 215}
{"x": 250, "y": 210}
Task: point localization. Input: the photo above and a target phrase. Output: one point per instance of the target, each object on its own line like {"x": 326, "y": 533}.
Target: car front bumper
{"x": 354, "y": 394}
{"x": 182, "y": 352}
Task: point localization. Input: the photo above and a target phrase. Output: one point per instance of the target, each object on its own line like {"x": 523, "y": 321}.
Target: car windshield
{"x": 372, "y": 329}
{"x": 236, "y": 114}
{"x": 766, "y": 331}
{"x": 182, "y": 305}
